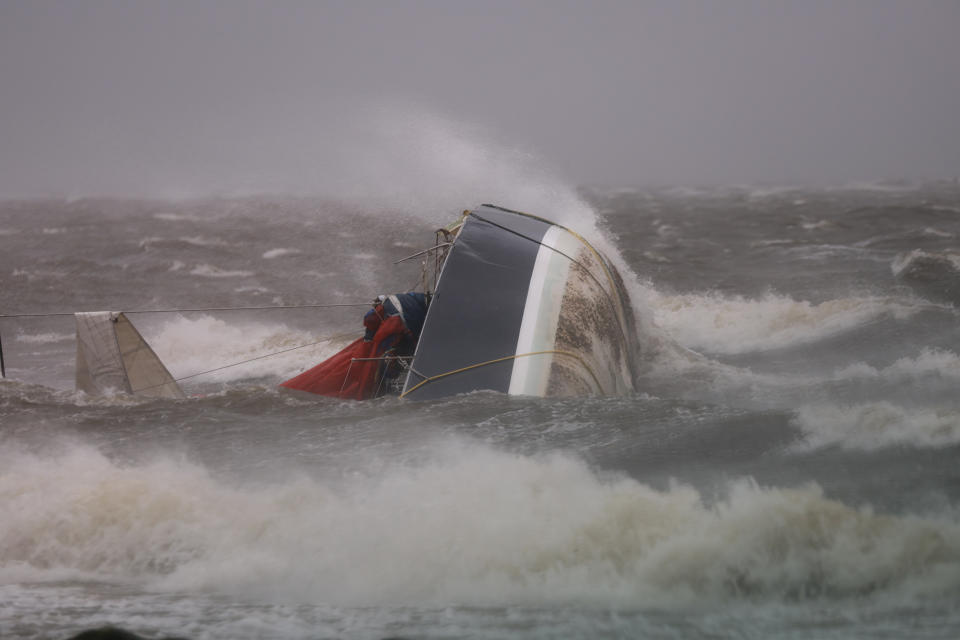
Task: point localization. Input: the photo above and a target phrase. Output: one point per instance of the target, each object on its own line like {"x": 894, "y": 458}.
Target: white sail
{"x": 113, "y": 356}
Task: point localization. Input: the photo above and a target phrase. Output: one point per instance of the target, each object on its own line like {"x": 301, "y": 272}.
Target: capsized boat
{"x": 520, "y": 305}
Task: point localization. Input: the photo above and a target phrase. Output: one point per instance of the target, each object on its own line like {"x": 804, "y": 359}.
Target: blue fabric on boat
{"x": 414, "y": 311}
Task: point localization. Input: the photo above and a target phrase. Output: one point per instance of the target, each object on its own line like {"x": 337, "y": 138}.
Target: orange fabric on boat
{"x": 340, "y": 377}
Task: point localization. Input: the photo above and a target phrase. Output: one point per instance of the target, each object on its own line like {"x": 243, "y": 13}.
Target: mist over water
{"x": 787, "y": 469}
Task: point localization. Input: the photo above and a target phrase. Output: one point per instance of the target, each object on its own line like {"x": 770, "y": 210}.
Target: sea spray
{"x": 426, "y": 165}
{"x": 192, "y": 345}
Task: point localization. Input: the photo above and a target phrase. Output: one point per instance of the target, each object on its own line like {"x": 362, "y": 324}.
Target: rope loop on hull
{"x": 504, "y": 359}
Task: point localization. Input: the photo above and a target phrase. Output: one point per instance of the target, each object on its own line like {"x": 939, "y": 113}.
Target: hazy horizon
{"x": 180, "y": 99}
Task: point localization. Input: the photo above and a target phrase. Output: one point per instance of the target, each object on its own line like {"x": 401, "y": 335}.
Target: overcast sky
{"x": 197, "y": 97}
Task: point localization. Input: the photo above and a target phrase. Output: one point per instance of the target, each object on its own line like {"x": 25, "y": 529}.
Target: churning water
{"x": 788, "y": 469}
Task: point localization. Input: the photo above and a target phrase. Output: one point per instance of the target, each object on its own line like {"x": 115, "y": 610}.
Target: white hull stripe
{"x": 541, "y": 314}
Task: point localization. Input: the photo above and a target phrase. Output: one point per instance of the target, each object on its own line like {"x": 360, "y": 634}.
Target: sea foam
{"x": 192, "y": 345}
{"x": 875, "y": 425}
{"x": 211, "y": 271}
{"x": 44, "y": 338}
{"x": 734, "y": 324}
{"x": 472, "y": 525}
{"x": 277, "y": 253}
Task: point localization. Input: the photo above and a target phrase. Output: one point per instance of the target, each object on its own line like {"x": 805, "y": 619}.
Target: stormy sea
{"x": 788, "y": 468}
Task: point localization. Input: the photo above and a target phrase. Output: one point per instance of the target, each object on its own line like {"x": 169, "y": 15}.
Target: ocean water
{"x": 789, "y": 468}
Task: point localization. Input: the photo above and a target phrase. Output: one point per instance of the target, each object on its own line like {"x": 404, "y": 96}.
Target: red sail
{"x": 346, "y": 375}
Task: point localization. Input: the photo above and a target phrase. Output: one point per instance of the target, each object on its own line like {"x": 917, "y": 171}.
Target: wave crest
{"x": 874, "y": 425}
{"x": 476, "y": 526}
{"x": 731, "y": 325}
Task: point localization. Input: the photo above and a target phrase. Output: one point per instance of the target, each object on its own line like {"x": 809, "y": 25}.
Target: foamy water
{"x": 469, "y": 526}
{"x": 729, "y": 325}
{"x": 213, "y": 271}
{"x": 192, "y": 345}
{"x": 876, "y": 425}
{"x": 277, "y": 253}
{"x": 44, "y": 338}
{"x": 786, "y": 469}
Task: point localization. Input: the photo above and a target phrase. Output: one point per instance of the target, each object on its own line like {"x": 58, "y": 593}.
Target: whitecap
{"x": 192, "y": 345}
{"x": 201, "y": 241}
{"x": 464, "y": 526}
{"x": 874, "y": 425}
{"x": 930, "y": 363}
{"x": 176, "y": 217}
{"x": 44, "y": 338}
{"x": 276, "y": 253}
{"x": 146, "y": 243}
{"x": 926, "y": 265}
{"x": 210, "y": 271}
{"x": 729, "y": 325}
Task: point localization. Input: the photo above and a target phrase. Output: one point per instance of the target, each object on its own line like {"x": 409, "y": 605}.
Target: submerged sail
{"x": 112, "y": 355}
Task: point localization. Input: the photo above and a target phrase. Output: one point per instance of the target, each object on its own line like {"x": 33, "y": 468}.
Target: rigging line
{"x": 573, "y": 260}
{"x": 617, "y": 309}
{"x": 287, "y": 306}
{"x": 425, "y": 251}
{"x": 533, "y": 240}
{"x": 596, "y": 253}
{"x": 236, "y": 364}
{"x": 504, "y": 359}
{"x": 290, "y": 306}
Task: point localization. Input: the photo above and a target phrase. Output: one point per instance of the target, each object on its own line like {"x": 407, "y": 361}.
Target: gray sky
{"x": 186, "y": 98}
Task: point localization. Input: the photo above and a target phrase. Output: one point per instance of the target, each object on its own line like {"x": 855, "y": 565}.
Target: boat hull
{"x": 525, "y": 307}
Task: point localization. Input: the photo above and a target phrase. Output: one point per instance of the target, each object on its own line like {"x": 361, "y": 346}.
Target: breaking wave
{"x": 935, "y": 274}
{"x": 926, "y": 265}
{"x": 930, "y": 364}
{"x": 875, "y": 425}
{"x": 729, "y": 325}
{"x": 474, "y": 526}
{"x": 194, "y": 241}
{"x": 191, "y": 345}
